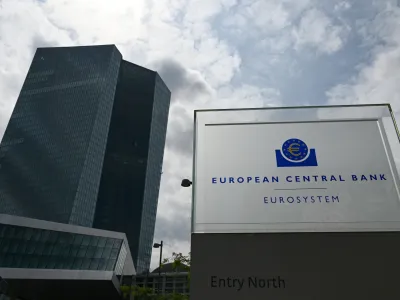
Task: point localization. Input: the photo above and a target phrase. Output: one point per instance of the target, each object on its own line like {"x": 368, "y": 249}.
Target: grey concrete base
{"x": 301, "y": 266}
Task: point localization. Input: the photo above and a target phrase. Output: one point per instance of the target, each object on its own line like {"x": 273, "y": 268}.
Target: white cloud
{"x": 378, "y": 81}
{"x": 317, "y": 30}
{"x": 96, "y": 21}
{"x": 276, "y": 18}
{"x": 201, "y": 10}
{"x": 342, "y": 6}
{"x": 279, "y": 25}
{"x": 264, "y": 16}
{"x": 272, "y": 15}
{"x": 251, "y": 95}
{"x": 24, "y": 26}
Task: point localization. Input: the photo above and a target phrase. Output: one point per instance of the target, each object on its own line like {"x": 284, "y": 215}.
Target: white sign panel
{"x": 294, "y": 176}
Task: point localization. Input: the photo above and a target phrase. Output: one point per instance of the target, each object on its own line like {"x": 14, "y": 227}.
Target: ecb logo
{"x": 295, "y": 153}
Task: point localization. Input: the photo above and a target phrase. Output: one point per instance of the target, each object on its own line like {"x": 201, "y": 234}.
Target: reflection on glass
{"x": 77, "y": 263}
{"x": 102, "y": 242}
{"x": 98, "y": 252}
{"x": 22, "y": 247}
{"x": 106, "y": 253}
{"x": 86, "y": 264}
{"x": 82, "y": 251}
{"x": 94, "y": 241}
{"x": 114, "y": 253}
{"x": 102, "y": 264}
{"x": 90, "y": 251}
{"x": 94, "y": 264}
{"x": 111, "y": 264}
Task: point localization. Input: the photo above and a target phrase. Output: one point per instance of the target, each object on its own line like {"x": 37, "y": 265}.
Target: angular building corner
{"x": 128, "y": 194}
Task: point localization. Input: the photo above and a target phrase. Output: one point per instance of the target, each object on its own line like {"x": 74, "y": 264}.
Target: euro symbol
{"x": 294, "y": 149}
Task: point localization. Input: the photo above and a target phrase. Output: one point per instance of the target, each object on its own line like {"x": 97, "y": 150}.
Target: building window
{"x": 22, "y": 247}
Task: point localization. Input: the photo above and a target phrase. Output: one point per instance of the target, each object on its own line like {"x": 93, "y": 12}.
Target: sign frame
{"x": 303, "y": 114}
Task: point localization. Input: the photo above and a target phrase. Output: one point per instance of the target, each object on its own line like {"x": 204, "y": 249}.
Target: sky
{"x": 217, "y": 54}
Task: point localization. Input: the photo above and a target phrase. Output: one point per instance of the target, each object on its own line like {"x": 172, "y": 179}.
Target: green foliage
{"x": 179, "y": 261}
{"x": 173, "y": 297}
{"x": 139, "y": 293}
{"x": 144, "y": 293}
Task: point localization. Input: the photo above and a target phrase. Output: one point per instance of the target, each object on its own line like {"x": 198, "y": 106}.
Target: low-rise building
{"x": 168, "y": 281}
{"x": 47, "y": 260}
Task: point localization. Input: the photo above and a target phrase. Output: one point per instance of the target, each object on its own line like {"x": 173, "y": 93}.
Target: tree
{"x": 179, "y": 261}
{"x": 144, "y": 293}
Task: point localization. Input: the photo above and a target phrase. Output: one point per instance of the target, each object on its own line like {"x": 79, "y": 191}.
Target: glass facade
{"x": 52, "y": 151}
{"x": 129, "y": 187}
{"x": 34, "y": 248}
{"x": 159, "y": 121}
{"x": 85, "y": 144}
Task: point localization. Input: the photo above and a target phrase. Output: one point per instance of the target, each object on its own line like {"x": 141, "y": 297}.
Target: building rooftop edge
{"x": 106, "y": 45}
{"x": 26, "y": 273}
{"x": 49, "y": 225}
{"x": 162, "y": 274}
{"x": 79, "y": 46}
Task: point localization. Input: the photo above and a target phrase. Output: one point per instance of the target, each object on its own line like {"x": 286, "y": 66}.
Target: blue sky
{"x": 217, "y": 54}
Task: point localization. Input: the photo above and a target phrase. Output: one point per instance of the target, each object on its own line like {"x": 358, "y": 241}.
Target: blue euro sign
{"x": 295, "y": 153}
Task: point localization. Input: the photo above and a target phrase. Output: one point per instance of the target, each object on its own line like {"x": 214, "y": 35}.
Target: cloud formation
{"x": 184, "y": 84}
{"x": 318, "y": 31}
{"x": 376, "y": 81}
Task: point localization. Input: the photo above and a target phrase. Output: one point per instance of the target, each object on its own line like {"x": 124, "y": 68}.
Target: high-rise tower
{"x": 85, "y": 144}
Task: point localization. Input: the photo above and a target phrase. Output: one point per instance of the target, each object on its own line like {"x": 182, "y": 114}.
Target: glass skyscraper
{"x": 85, "y": 143}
